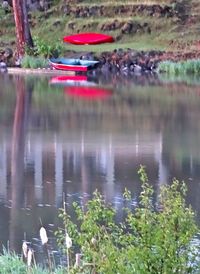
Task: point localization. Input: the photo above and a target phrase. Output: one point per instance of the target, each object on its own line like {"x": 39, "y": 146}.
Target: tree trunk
{"x": 28, "y": 38}
{"x": 19, "y": 27}
{"x": 22, "y": 27}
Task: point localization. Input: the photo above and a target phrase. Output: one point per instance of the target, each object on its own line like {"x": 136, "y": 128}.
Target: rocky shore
{"x": 131, "y": 61}
{"x": 119, "y": 60}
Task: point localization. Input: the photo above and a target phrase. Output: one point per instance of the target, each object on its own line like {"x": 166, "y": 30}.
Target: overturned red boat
{"x": 90, "y": 38}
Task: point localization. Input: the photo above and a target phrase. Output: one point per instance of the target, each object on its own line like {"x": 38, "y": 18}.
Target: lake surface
{"x": 62, "y": 142}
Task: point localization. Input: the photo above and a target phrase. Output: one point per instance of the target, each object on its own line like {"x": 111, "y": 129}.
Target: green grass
{"x": 157, "y": 40}
{"x": 47, "y": 31}
{"x": 163, "y": 30}
{"x": 10, "y": 263}
{"x": 144, "y": 43}
{"x": 34, "y": 62}
{"x": 180, "y": 68}
{"x": 45, "y": 27}
{"x": 120, "y": 2}
{"x": 150, "y": 2}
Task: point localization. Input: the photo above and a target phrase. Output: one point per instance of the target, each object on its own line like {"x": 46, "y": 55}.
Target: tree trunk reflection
{"x": 23, "y": 101}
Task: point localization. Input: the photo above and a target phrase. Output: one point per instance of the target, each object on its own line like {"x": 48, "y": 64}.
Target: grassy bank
{"x": 154, "y": 24}
{"x": 188, "y": 67}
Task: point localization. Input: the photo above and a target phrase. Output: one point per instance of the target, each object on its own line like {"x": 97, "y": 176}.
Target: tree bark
{"x": 22, "y": 26}
{"x": 27, "y": 33}
{"x": 19, "y": 27}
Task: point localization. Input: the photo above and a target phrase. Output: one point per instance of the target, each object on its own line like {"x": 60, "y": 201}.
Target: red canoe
{"x": 88, "y": 38}
{"x": 88, "y": 93}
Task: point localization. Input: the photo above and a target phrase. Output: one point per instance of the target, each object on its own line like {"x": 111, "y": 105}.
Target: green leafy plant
{"x": 151, "y": 239}
{"x": 45, "y": 49}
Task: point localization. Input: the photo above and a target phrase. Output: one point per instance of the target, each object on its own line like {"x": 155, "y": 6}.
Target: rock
{"x": 118, "y": 37}
{"x": 5, "y": 6}
{"x": 3, "y": 67}
{"x": 18, "y": 62}
{"x": 57, "y": 23}
{"x": 8, "y": 53}
{"x": 137, "y": 69}
{"x": 106, "y": 67}
{"x": 71, "y": 25}
{"x": 10, "y": 3}
{"x": 130, "y": 61}
{"x": 44, "y": 5}
{"x": 88, "y": 56}
{"x": 127, "y": 27}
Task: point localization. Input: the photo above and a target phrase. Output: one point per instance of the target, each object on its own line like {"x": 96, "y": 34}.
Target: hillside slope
{"x": 144, "y": 25}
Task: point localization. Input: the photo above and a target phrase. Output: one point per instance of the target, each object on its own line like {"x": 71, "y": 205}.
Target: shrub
{"x": 151, "y": 239}
{"x": 42, "y": 48}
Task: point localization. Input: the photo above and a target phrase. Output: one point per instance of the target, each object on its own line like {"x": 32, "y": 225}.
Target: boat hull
{"x": 72, "y": 64}
{"x": 68, "y": 67}
{"x": 88, "y": 39}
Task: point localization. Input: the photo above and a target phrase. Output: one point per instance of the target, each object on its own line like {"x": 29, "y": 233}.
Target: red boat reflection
{"x": 68, "y": 78}
{"x": 88, "y": 93}
{"x": 71, "y": 80}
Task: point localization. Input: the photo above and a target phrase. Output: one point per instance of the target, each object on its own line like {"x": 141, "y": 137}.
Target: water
{"x": 58, "y": 142}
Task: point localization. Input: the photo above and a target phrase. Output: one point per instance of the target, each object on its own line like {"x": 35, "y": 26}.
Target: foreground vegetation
{"x": 11, "y": 263}
{"x": 152, "y": 237}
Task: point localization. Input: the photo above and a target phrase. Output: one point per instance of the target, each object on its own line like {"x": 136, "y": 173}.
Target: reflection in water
{"x": 72, "y": 80}
{"x": 88, "y": 93}
{"x": 17, "y": 160}
{"x": 70, "y": 147}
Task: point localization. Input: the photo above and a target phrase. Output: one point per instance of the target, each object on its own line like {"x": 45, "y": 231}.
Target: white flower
{"x": 43, "y": 235}
{"x": 78, "y": 259}
{"x": 25, "y": 249}
{"x": 68, "y": 241}
{"x": 93, "y": 241}
{"x": 29, "y": 257}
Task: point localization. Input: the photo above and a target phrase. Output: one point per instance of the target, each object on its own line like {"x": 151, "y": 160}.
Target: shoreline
{"x": 118, "y": 61}
{"x": 13, "y": 70}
